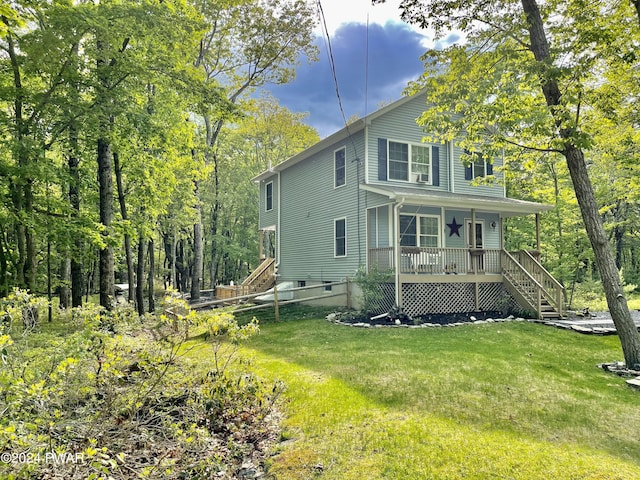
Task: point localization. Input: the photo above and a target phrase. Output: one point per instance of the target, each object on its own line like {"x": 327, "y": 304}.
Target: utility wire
{"x": 332, "y": 64}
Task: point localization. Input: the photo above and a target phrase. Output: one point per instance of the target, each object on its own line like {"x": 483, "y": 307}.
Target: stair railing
{"x": 523, "y": 285}
{"x": 552, "y": 290}
{"x": 261, "y": 277}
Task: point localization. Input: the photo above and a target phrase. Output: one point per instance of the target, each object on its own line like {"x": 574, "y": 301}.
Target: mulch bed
{"x": 399, "y": 318}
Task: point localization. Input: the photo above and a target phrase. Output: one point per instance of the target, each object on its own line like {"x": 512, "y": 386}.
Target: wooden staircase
{"x": 261, "y": 279}
{"x": 533, "y": 287}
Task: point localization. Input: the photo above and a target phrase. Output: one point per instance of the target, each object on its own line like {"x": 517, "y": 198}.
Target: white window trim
{"x": 335, "y": 169}
{"x": 335, "y": 238}
{"x": 426, "y": 215}
{"x": 467, "y": 228}
{"x": 411, "y": 173}
{"x": 474, "y": 175}
{"x": 266, "y": 203}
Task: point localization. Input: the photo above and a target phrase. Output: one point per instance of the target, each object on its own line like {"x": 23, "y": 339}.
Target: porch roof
{"x": 507, "y": 207}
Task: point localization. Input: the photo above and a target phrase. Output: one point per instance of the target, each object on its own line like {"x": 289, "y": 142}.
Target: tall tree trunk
{"x": 105, "y": 178}
{"x": 174, "y": 246}
{"x": 196, "y": 274}
{"x": 181, "y": 265}
{"x": 150, "y": 284}
{"x": 73, "y": 162}
{"x": 4, "y": 279}
{"x": 105, "y": 181}
{"x": 19, "y": 189}
{"x": 212, "y": 132}
{"x": 65, "y": 278}
{"x": 215, "y": 216}
{"x": 140, "y": 276}
{"x": 30, "y": 267}
{"x": 627, "y": 331}
{"x": 125, "y": 217}
{"x": 20, "y": 233}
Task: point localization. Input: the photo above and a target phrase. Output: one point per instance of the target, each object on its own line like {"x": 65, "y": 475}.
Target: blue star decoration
{"x": 454, "y": 227}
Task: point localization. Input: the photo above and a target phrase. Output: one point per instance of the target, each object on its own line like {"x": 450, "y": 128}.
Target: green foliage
{"x": 21, "y": 308}
{"x": 128, "y": 400}
{"x": 370, "y": 284}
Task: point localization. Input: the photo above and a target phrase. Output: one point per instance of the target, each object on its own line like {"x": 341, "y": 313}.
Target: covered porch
{"x": 430, "y": 240}
{"x": 436, "y": 261}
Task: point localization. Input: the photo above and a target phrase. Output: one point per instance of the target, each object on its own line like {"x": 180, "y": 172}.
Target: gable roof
{"x": 334, "y": 138}
{"x": 506, "y": 206}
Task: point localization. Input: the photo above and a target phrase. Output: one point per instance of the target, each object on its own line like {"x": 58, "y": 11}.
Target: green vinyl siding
{"x": 491, "y": 235}
{"x": 268, "y": 218}
{"x": 466, "y": 187}
{"x": 379, "y": 227}
{"x": 399, "y": 125}
{"x": 310, "y": 205}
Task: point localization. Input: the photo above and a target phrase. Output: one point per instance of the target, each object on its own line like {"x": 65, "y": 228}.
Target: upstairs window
{"x": 339, "y": 167}
{"x": 268, "y": 196}
{"x": 398, "y": 161}
{"x": 479, "y": 168}
{"x": 421, "y": 163}
{"x": 410, "y": 162}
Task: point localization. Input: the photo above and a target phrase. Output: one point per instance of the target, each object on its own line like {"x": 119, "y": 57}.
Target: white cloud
{"x": 338, "y": 12}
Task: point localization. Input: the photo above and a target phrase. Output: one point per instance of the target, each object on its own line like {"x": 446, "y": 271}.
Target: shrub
{"x": 114, "y": 397}
{"x": 370, "y": 284}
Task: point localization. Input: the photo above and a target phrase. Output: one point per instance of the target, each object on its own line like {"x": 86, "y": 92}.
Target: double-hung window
{"x": 268, "y": 196}
{"x": 398, "y": 161}
{"x": 478, "y": 168}
{"x": 421, "y": 162}
{"x": 419, "y": 231}
{"x": 339, "y": 167}
{"x": 409, "y": 162}
{"x": 340, "y": 237}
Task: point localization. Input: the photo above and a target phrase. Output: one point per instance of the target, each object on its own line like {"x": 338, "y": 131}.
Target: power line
{"x": 332, "y": 64}
{"x": 327, "y": 40}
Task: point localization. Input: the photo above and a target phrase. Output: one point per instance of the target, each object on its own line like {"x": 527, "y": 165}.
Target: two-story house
{"x": 374, "y": 195}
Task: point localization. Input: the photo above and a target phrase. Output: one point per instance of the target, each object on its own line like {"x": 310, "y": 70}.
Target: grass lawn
{"x": 497, "y": 401}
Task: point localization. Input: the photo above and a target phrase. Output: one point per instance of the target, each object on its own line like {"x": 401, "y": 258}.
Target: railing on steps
{"x": 261, "y": 279}
{"x": 532, "y": 285}
{"x": 552, "y": 290}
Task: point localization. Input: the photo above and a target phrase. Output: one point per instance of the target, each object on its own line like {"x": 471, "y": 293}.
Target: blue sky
{"x": 394, "y": 51}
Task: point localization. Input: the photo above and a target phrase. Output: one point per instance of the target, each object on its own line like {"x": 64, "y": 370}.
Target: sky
{"x": 365, "y": 82}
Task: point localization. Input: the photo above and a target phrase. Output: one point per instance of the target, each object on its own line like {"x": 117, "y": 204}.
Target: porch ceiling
{"x": 507, "y": 207}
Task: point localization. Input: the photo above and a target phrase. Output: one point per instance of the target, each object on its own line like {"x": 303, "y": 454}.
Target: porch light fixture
{"x": 494, "y": 225}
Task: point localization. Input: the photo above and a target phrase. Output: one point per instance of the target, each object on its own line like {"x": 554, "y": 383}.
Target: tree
{"x": 248, "y": 44}
{"x": 265, "y": 136}
{"x": 510, "y": 89}
{"x": 133, "y": 41}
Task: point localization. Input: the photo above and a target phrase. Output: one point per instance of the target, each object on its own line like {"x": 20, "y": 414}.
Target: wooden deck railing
{"x": 437, "y": 260}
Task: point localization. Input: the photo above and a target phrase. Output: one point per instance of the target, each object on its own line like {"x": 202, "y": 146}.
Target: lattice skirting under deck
{"x": 442, "y": 298}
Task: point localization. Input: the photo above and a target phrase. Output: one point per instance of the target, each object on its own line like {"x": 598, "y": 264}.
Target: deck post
{"x": 398, "y": 252}
{"x": 275, "y": 302}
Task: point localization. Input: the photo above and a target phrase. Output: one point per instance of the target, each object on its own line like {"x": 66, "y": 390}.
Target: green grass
{"x": 495, "y": 401}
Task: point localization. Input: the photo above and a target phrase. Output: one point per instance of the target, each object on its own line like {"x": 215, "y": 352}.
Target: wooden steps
{"x": 261, "y": 279}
